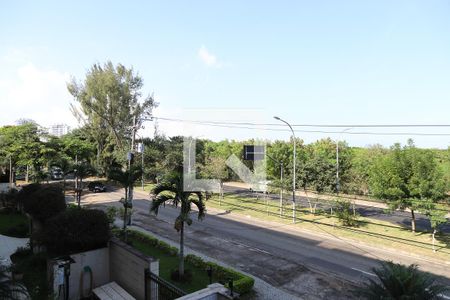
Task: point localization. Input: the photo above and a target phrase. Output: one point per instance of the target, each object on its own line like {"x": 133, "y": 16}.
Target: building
{"x": 58, "y": 130}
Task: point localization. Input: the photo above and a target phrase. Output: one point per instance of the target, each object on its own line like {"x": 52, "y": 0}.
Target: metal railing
{"x": 157, "y": 288}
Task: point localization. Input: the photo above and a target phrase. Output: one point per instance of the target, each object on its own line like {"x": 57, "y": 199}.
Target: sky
{"x": 309, "y": 62}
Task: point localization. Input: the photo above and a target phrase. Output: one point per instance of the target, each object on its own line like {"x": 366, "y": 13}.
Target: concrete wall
{"x": 127, "y": 268}
{"x": 97, "y": 260}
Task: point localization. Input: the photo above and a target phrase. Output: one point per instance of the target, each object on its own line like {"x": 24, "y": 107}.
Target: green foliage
{"x": 34, "y": 270}
{"x": 76, "y": 230}
{"x": 13, "y": 223}
{"x": 42, "y": 201}
{"x": 407, "y": 178}
{"x": 171, "y": 189}
{"x": 153, "y": 242}
{"x": 9, "y": 199}
{"x": 344, "y": 212}
{"x": 109, "y": 99}
{"x": 241, "y": 283}
{"x": 396, "y": 281}
{"x": 111, "y": 213}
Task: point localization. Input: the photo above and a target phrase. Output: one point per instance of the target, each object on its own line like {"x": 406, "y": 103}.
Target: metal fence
{"x": 157, "y": 288}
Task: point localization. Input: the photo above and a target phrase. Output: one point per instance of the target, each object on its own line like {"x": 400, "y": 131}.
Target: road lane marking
{"x": 367, "y": 273}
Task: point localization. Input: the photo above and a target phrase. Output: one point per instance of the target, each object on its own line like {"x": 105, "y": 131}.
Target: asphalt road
{"x": 402, "y": 218}
{"x": 279, "y": 254}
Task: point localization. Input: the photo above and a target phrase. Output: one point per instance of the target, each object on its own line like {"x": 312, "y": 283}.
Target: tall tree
{"x": 109, "y": 101}
{"x": 407, "y": 178}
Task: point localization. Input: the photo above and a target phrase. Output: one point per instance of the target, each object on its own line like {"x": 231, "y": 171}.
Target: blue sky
{"x": 321, "y": 62}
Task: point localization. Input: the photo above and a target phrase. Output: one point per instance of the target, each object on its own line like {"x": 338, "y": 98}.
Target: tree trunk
{"x": 125, "y": 204}
{"x": 27, "y": 174}
{"x": 181, "y": 265}
{"x": 413, "y": 221}
{"x": 434, "y": 239}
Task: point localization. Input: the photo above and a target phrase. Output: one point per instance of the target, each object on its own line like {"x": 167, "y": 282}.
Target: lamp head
{"x": 276, "y": 118}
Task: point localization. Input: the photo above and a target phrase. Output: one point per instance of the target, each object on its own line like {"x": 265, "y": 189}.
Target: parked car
{"x": 56, "y": 174}
{"x": 96, "y": 187}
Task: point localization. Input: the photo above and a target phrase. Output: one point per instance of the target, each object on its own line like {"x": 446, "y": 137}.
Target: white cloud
{"x": 208, "y": 58}
{"x": 33, "y": 93}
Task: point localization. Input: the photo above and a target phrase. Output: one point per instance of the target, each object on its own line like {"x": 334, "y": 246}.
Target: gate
{"x": 157, "y": 288}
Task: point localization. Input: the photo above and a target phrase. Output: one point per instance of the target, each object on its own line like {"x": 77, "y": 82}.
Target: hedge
{"x": 76, "y": 230}
{"x": 241, "y": 283}
{"x": 154, "y": 242}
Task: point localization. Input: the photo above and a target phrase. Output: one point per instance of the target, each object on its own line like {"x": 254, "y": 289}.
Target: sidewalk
{"x": 8, "y": 246}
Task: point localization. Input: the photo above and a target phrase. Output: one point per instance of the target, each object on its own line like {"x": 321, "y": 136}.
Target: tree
{"x": 8, "y": 288}
{"x": 42, "y": 201}
{"x": 22, "y": 144}
{"x": 437, "y": 215}
{"x": 109, "y": 100}
{"x": 396, "y": 281}
{"x": 126, "y": 178}
{"x": 66, "y": 168}
{"x": 215, "y": 168}
{"x": 345, "y": 213}
{"x": 76, "y": 230}
{"x": 81, "y": 170}
{"x": 407, "y": 178}
{"x": 171, "y": 189}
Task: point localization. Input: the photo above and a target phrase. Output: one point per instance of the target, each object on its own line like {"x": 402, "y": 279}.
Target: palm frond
{"x": 158, "y": 200}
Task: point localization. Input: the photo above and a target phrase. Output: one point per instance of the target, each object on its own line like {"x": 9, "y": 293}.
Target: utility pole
{"x": 293, "y": 173}
{"x": 142, "y": 157}
{"x": 130, "y": 164}
{"x": 11, "y": 176}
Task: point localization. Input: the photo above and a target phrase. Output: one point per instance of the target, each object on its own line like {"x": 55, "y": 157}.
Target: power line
{"x": 314, "y": 125}
{"x": 231, "y": 125}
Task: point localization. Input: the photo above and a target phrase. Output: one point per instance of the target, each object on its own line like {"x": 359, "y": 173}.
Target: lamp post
{"x": 293, "y": 177}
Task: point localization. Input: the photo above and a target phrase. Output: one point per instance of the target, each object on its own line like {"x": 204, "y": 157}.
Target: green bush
{"x": 42, "y": 202}
{"x": 241, "y": 283}
{"x": 76, "y": 230}
{"x": 344, "y": 213}
{"x": 20, "y": 231}
{"x": 149, "y": 240}
{"x": 111, "y": 213}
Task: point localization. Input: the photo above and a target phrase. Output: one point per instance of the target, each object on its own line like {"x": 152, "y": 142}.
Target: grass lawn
{"x": 148, "y": 186}
{"x": 13, "y": 224}
{"x": 167, "y": 263}
{"x": 370, "y": 231}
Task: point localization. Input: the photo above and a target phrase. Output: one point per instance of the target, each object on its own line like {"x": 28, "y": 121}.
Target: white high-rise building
{"x": 58, "y": 130}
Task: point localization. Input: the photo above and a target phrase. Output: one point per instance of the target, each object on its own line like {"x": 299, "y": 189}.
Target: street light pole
{"x": 293, "y": 178}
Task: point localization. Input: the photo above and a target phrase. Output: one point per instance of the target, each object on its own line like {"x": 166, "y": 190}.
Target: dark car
{"x": 96, "y": 187}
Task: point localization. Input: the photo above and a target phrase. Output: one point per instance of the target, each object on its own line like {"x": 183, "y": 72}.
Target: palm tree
{"x": 171, "y": 189}
{"x": 396, "y": 281}
{"x": 126, "y": 178}
{"x": 8, "y": 288}
{"x": 81, "y": 170}
{"x": 66, "y": 168}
